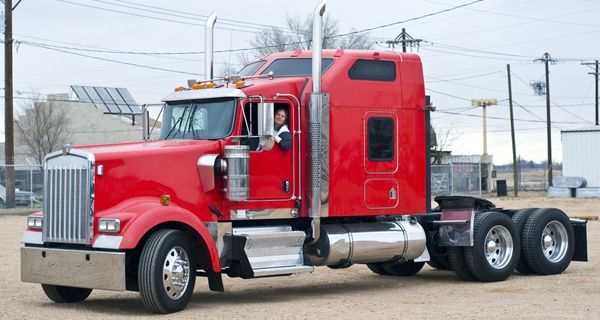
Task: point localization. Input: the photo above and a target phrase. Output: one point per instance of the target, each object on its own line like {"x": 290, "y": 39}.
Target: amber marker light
{"x": 178, "y": 89}
{"x": 165, "y": 199}
{"x": 240, "y": 84}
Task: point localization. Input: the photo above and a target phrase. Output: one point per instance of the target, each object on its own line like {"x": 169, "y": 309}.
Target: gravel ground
{"x": 340, "y": 294}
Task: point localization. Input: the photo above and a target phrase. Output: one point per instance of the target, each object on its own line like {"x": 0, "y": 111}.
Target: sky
{"x": 464, "y": 53}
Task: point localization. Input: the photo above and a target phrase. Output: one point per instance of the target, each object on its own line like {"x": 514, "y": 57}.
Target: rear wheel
{"x": 167, "y": 272}
{"x": 438, "y": 255}
{"x": 548, "y": 241}
{"x": 519, "y": 218}
{"x": 62, "y": 294}
{"x": 377, "y": 268}
{"x": 402, "y": 269}
{"x": 496, "y": 247}
{"x": 456, "y": 259}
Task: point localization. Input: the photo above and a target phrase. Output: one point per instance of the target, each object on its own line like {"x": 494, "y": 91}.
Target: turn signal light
{"x": 165, "y": 199}
{"x": 34, "y": 222}
{"x": 109, "y": 225}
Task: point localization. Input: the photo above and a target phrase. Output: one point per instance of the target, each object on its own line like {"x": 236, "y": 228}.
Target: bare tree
{"x": 43, "y": 127}
{"x": 445, "y": 138}
{"x": 299, "y": 35}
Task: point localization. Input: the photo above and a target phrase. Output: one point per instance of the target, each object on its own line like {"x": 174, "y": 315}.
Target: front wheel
{"x": 167, "y": 272}
{"x": 62, "y": 294}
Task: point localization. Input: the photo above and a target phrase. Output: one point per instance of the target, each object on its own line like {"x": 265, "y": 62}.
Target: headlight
{"x": 34, "y": 222}
{"x": 109, "y": 225}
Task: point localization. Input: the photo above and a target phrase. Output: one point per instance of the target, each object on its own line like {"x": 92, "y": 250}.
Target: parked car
{"x": 22, "y": 198}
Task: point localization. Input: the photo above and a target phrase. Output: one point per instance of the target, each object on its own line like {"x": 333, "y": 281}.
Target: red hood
{"x": 151, "y": 169}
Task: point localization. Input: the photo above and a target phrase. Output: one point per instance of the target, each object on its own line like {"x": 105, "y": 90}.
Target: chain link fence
{"x": 456, "y": 179}
{"x": 29, "y": 185}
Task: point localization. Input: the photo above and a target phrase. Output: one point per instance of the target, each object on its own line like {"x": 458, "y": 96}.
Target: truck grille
{"x": 68, "y": 194}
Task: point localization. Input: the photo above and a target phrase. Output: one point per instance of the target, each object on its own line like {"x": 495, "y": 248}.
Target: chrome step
{"x": 274, "y": 250}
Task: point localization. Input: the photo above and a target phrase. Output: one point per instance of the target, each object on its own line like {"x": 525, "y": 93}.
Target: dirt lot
{"x": 341, "y": 294}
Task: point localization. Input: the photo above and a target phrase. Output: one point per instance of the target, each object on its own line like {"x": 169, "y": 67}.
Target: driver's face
{"x": 280, "y": 118}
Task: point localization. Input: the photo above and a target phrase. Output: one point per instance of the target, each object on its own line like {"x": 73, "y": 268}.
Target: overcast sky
{"x": 464, "y": 54}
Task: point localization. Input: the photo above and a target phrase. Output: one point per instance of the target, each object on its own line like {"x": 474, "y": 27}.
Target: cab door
{"x": 381, "y": 189}
{"x": 271, "y": 171}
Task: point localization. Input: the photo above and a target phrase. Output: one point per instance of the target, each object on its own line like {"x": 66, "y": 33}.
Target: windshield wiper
{"x": 175, "y": 126}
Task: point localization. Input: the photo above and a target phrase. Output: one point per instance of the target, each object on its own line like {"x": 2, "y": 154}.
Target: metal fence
{"x": 29, "y": 185}
{"x": 456, "y": 179}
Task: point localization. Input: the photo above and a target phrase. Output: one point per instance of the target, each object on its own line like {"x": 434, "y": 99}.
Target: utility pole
{"x": 485, "y": 158}
{"x": 405, "y": 39}
{"x": 512, "y": 134}
{"x": 546, "y": 58}
{"x": 9, "y": 147}
{"x": 595, "y": 74}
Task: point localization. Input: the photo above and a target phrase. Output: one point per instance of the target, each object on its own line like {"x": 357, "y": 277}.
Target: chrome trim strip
{"x": 32, "y": 237}
{"x": 74, "y": 268}
{"x": 218, "y": 230}
{"x": 108, "y": 242}
{"x": 283, "y": 213}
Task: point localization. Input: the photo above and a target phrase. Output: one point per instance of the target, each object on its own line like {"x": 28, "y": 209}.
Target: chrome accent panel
{"x": 108, "y": 242}
{"x": 368, "y": 242}
{"x": 218, "y": 230}
{"x": 206, "y": 169}
{"x": 456, "y": 227}
{"x": 424, "y": 256}
{"x": 204, "y": 94}
{"x": 238, "y": 172}
{"x": 100, "y": 170}
{"x": 318, "y": 164}
{"x": 32, "y": 237}
{"x": 243, "y": 214}
{"x": 274, "y": 250}
{"x": 68, "y": 197}
{"x": 74, "y": 268}
{"x": 209, "y": 30}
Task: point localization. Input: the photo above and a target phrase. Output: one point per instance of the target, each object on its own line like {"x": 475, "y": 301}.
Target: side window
{"x": 375, "y": 70}
{"x": 380, "y": 138}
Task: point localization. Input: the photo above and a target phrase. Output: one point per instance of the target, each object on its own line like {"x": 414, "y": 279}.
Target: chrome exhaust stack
{"x": 209, "y": 31}
{"x": 368, "y": 242}
{"x": 318, "y": 133}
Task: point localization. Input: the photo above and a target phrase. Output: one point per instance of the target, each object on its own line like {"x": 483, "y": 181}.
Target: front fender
{"x": 140, "y": 217}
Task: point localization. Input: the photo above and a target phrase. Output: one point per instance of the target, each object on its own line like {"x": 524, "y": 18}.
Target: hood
{"x": 151, "y": 169}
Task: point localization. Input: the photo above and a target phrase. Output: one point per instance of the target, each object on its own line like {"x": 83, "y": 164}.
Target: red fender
{"x": 139, "y": 217}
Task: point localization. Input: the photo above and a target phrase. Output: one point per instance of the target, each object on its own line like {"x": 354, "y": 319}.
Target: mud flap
{"x": 580, "y": 228}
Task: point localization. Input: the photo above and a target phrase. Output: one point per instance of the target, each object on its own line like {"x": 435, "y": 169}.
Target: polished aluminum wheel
{"x": 554, "y": 241}
{"x": 176, "y": 272}
{"x": 498, "y": 247}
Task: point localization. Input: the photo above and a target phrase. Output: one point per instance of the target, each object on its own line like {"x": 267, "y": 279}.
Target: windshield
{"x": 251, "y": 68}
{"x": 208, "y": 119}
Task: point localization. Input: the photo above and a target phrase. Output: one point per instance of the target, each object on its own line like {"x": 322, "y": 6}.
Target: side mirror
{"x": 266, "y": 125}
{"x": 266, "y": 119}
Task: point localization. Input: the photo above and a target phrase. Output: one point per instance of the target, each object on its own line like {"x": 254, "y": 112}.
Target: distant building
{"x": 581, "y": 153}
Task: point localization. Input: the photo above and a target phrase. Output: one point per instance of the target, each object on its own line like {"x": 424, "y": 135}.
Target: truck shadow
{"x": 265, "y": 291}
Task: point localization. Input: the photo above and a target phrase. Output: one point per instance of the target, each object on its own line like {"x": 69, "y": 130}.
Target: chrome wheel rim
{"x": 554, "y": 241}
{"x": 176, "y": 272}
{"x": 498, "y": 247}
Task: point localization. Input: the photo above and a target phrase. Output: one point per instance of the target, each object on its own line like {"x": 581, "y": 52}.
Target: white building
{"x": 581, "y": 154}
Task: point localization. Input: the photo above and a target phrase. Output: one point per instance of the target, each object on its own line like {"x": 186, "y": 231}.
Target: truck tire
{"x": 456, "y": 260}
{"x": 377, "y": 268}
{"x": 438, "y": 255}
{"x": 402, "y": 269}
{"x": 166, "y": 272}
{"x": 548, "y": 241}
{"x": 519, "y": 218}
{"x": 496, "y": 247}
{"x": 62, "y": 294}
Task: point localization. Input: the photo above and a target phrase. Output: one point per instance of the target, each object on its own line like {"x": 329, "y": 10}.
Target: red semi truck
{"x": 216, "y": 196}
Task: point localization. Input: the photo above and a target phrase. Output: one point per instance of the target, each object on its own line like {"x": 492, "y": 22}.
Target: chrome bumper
{"x": 73, "y": 268}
